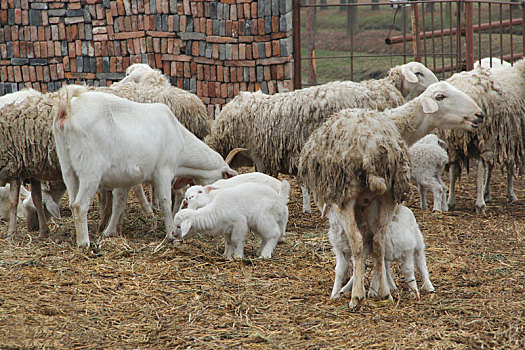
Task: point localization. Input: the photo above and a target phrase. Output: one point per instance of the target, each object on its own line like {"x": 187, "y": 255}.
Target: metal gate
{"x": 355, "y": 40}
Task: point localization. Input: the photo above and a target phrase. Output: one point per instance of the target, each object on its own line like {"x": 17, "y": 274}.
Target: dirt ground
{"x": 136, "y": 292}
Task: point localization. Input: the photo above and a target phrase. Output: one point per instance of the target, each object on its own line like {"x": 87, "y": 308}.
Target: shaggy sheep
{"x": 233, "y": 211}
{"x": 500, "y": 94}
{"x": 429, "y": 158}
{"x": 122, "y": 144}
{"x": 17, "y": 97}
{"x": 403, "y": 243}
{"x": 274, "y": 128}
{"x": 357, "y": 163}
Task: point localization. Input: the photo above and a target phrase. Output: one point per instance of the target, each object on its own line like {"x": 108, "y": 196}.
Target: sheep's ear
{"x": 443, "y": 144}
{"x": 185, "y": 227}
{"x": 210, "y": 188}
{"x": 53, "y": 209}
{"x": 429, "y": 105}
{"x": 409, "y": 75}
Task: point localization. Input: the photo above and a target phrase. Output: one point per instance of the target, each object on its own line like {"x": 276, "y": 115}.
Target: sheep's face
{"x": 450, "y": 108}
{"x": 416, "y": 78}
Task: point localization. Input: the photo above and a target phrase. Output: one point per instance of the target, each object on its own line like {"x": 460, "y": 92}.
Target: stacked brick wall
{"x": 212, "y": 48}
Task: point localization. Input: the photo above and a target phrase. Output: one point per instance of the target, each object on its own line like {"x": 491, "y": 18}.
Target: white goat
{"x": 429, "y": 157}
{"x": 109, "y": 142}
{"x": 403, "y": 243}
{"x": 234, "y": 211}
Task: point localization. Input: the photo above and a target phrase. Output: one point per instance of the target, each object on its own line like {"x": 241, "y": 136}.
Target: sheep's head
{"x": 416, "y": 78}
{"x": 446, "y": 107}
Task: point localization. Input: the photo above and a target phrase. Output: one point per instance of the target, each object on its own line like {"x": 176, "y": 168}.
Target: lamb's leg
{"x": 143, "y": 201}
{"x": 444, "y": 204}
{"x": 120, "y": 197}
{"x": 307, "y": 208}
{"x": 437, "y": 191}
{"x": 36, "y": 197}
{"x": 487, "y": 195}
{"x": 238, "y": 237}
{"x": 341, "y": 263}
{"x": 454, "y": 171}
{"x": 422, "y": 197}
{"x": 86, "y": 192}
{"x": 421, "y": 267}
{"x": 390, "y": 277}
{"x": 347, "y": 219}
{"x": 14, "y": 195}
{"x": 511, "y": 196}
{"x": 386, "y": 211}
{"x": 407, "y": 268}
{"x": 283, "y": 221}
{"x": 480, "y": 186}
{"x": 228, "y": 251}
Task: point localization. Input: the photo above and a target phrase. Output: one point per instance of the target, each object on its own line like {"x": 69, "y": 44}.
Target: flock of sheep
{"x": 355, "y": 146}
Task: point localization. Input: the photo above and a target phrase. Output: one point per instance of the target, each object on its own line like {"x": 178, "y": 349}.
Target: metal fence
{"x": 352, "y": 40}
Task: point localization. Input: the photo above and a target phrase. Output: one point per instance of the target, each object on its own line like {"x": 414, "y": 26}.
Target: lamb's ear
{"x": 210, "y": 188}
{"x": 428, "y": 104}
{"x": 409, "y": 75}
{"x": 53, "y": 209}
{"x": 185, "y": 227}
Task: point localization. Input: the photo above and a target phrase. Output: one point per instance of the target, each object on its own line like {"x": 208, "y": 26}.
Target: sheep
{"x": 141, "y": 73}
{"x": 235, "y": 210}
{"x": 429, "y": 158}
{"x": 17, "y": 97}
{"x": 489, "y": 62}
{"x": 274, "y": 128}
{"x": 196, "y": 197}
{"x": 403, "y": 243}
{"x": 52, "y": 193}
{"x": 27, "y": 151}
{"x": 500, "y": 94}
{"x": 104, "y": 141}
{"x": 357, "y": 163}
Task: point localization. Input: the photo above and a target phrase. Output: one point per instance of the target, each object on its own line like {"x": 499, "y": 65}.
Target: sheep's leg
{"x": 480, "y": 186}
{"x": 444, "y": 204}
{"x": 105, "y": 200}
{"x": 120, "y": 197}
{"x": 511, "y": 196}
{"x": 143, "y": 201}
{"x": 86, "y": 192}
{"x": 454, "y": 171}
{"x": 386, "y": 211}
{"x": 422, "y": 197}
{"x": 486, "y": 193}
{"x": 347, "y": 219}
{"x": 14, "y": 195}
{"x": 36, "y": 197}
{"x": 341, "y": 263}
{"x": 163, "y": 187}
{"x": 307, "y": 208}
{"x": 407, "y": 268}
{"x": 421, "y": 267}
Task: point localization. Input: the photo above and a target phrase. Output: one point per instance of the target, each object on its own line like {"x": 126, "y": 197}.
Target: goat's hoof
{"x": 512, "y": 200}
{"x": 355, "y": 303}
{"x": 481, "y": 210}
{"x": 84, "y": 244}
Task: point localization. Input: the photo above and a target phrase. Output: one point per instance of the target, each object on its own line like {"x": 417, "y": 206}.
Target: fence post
{"x": 469, "y": 35}
{"x": 416, "y": 42}
{"x": 296, "y": 44}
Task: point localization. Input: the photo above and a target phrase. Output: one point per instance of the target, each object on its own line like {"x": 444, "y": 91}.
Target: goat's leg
{"x": 105, "y": 200}
{"x": 143, "y": 201}
{"x": 283, "y": 221}
{"x": 511, "y": 196}
{"x": 270, "y": 232}
{"x": 307, "y": 207}
{"x": 486, "y": 193}
{"x": 480, "y": 187}
{"x": 454, "y": 172}
{"x": 347, "y": 219}
{"x": 86, "y": 192}
{"x": 407, "y": 268}
{"x": 14, "y": 196}
{"x": 238, "y": 237}
{"x": 120, "y": 197}
{"x": 341, "y": 263}
{"x": 36, "y": 197}
{"x": 162, "y": 184}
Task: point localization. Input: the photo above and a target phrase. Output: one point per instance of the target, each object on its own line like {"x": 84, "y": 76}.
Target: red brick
{"x": 187, "y": 8}
{"x": 249, "y": 55}
{"x": 229, "y": 27}
{"x": 236, "y": 89}
{"x": 211, "y": 89}
{"x": 226, "y": 72}
{"x": 180, "y": 69}
{"x": 182, "y": 22}
{"x": 199, "y": 88}
{"x": 142, "y": 42}
{"x": 78, "y": 48}
{"x": 255, "y": 50}
{"x": 32, "y": 73}
{"x": 242, "y": 51}
{"x": 271, "y": 87}
{"x": 193, "y": 68}
{"x": 220, "y": 73}
{"x": 127, "y": 24}
{"x": 53, "y": 72}
{"x": 235, "y": 52}
{"x": 113, "y": 64}
{"x": 165, "y": 7}
{"x": 129, "y": 46}
{"x": 74, "y": 5}
{"x": 252, "y": 74}
{"x": 25, "y": 73}
{"x": 36, "y": 49}
{"x": 268, "y": 49}
{"x": 121, "y": 11}
{"x": 18, "y": 16}
{"x": 235, "y": 29}
{"x": 215, "y": 51}
{"x": 136, "y": 45}
{"x": 200, "y": 72}
{"x": 195, "y": 48}
{"x": 275, "y": 48}
{"x": 16, "y": 49}
{"x": 205, "y": 91}
{"x": 267, "y": 73}
{"x": 253, "y": 10}
{"x": 50, "y": 49}
{"x": 209, "y": 27}
{"x": 18, "y": 74}
{"x": 224, "y": 90}
{"x": 10, "y": 74}
{"x": 213, "y": 73}
{"x": 233, "y": 12}
{"x": 163, "y": 45}
{"x": 260, "y": 24}
{"x": 207, "y": 73}
{"x": 203, "y": 25}
{"x": 187, "y": 70}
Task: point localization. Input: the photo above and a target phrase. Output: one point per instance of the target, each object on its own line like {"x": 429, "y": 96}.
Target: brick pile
{"x": 212, "y": 48}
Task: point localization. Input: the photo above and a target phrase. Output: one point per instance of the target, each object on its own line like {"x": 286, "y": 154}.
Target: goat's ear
{"x": 53, "y": 209}
{"x": 210, "y": 188}
{"x": 185, "y": 227}
{"x": 229, "y": 173}
{"x": 409, "y": 75}
{"x": 429, "y": 105}
{"x": 180, "y": 182}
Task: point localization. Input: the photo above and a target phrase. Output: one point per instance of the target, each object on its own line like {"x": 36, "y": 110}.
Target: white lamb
{"x": 109, "y": 142}
{"x": 236, "y": 210}
{"x": 403, "y": 243}
{"x": 429, "y": 157}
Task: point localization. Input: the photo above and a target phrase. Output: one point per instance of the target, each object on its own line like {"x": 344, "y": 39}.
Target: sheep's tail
{"x": 232, "y": 154}
{"x": 284, "y": 190}
{"x": 65, "y": 95}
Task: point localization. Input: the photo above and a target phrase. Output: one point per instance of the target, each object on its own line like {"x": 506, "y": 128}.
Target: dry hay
{"x": 132, "y": 293}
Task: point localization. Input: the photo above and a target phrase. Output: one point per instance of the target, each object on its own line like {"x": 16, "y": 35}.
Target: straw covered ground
{"x": 134, "y": 292}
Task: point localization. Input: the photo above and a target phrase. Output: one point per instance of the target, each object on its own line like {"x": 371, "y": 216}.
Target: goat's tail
{"x": 65, "y": 95}
{"x": 284, "y": 190}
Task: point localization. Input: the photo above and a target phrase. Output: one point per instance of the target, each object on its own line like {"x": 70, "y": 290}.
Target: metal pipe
{"x": 296, "y": 20}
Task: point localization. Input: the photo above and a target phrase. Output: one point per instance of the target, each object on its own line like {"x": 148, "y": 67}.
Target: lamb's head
{"x": 416, "y": 78}
{"x": 197, "y": 197}
{"x": 433, "y": 139}
{"x": 446, "y": 107}
{"x": 183, "y": 222}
